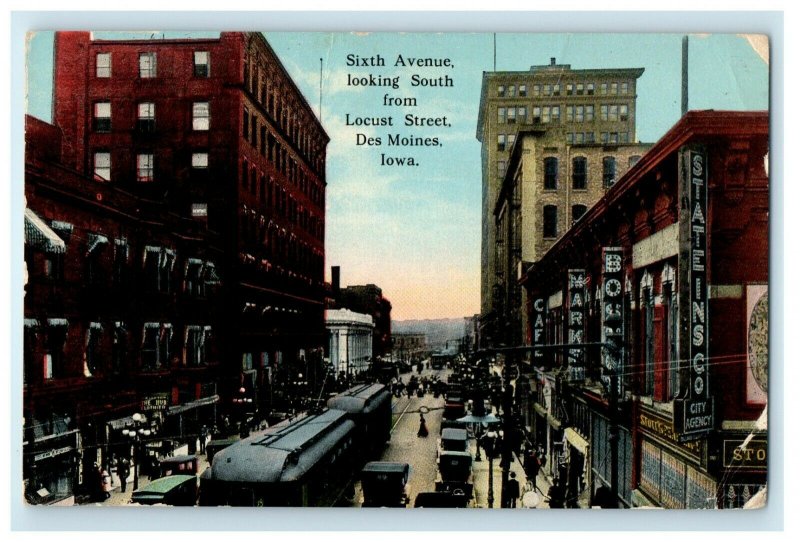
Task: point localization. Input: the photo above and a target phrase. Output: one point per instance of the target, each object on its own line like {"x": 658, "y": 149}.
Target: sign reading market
{"x": 577, "y": 303}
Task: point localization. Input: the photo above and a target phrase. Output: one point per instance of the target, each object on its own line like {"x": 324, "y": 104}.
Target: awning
{"x": 53, "y": 322}
{"x": 95, "y": 241}
{"x": 576, "y": 440}
{"x": 31, "y": 322}
{"x": 127, "y": 421}
{"x": 554, "y": 423}
{"x": 40, "y": 235}
{"x": 540, "y": 410}
{"x": 180, "y": 409}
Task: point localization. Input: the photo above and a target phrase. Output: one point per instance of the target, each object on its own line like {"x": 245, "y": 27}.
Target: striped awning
{"x": 95, "y": 241}
{"x": 180, "y": 409}
{"x": 41, "y": 236}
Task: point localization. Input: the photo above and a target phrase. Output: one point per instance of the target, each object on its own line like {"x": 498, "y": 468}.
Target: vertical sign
{"x": 577, "y": 302}
{"x": 612, "y": 331}
{"x": 694, "y": 413}
{"x": 537, "y": 329}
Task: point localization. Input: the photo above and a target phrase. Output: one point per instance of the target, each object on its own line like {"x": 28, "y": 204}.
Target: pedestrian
{"x": 532, "y": 467}
{"x": 423, "y": 428}
{"x": 123, "y": 471}
{"x": 512, "y": 491}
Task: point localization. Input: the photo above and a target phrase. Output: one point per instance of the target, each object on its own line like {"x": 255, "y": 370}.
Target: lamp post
{"x": 136, "y": 433}
{"x": 489, "y": 444}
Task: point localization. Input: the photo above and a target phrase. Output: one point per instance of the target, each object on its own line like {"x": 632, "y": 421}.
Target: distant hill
{"x": 437, "y": 332}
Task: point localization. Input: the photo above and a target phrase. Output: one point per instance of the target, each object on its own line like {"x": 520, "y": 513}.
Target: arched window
{"x": 550, "y": 221}
{"x": 609, "y": 171}
{"x": 579, "y": 173}
{"x": 550, "y": 173}
{"x": 577, "y": 212}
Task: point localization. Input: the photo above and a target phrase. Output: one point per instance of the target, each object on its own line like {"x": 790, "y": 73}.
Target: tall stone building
{"x": 564, "y": 114}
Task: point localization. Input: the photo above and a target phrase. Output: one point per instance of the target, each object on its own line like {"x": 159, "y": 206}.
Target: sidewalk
{"x": 120, "y": 498}
{"x": 480, "y": 475}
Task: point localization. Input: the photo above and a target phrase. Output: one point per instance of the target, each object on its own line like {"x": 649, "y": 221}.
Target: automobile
{"x": 385, "y": 484}
{"x": 216, "y": 445}
{"x": 452, "y": 440}
{"x": 441, "y": 499}
{"x": 175, "y": 490}
{"x": 455, "y": 473}
{"x": 179, "y": 464}
{"x": 454, "y": 408}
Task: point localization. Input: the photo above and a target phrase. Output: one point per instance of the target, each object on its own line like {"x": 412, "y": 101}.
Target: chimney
{"x": 335, "y": 274}
{"x": 552, "y": 61}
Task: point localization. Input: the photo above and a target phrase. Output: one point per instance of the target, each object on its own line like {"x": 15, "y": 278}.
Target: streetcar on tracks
{"x": 309, "y": 461}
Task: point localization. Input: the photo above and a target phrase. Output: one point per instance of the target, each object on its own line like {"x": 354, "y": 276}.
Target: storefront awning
{"x": 554, "y": 423}
{"x": 576, "y": 440}
{"x": 180, "y": 409}
{"x": 122, "y": 423}
{"x": 95, "y": 242}
{"x": 40, "y": 235}
{"x": 540, "y": 410}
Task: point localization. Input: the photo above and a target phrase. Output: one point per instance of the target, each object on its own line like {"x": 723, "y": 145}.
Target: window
{"x": 590, "y": 89}
{"x": 589, "y": 113}
{"x": 555, "y": 112}
{"x": 119, "y": 347}
{"x": 102, "y": 117}
{"x": 613, "y": 113}
{"x": 200, "y": 116}
{"x": 501, "y": 90}
{"x": 195, "y": 344}
{"x": 633, "y": 159}
{"x": 550, "y": 173}
{"x": 550, "y": 221}
{"x": 150, "y": 346}
{"x": 537, "y": 115}
{"x": 570, "y": 89}
{"x": 200, "y": 160}
{"x": 501, "y": 115}
{"x": 245, "y": 124}
{"x": 579, "y": 89}
{"x": 512, "y": 115}
{"x": 146, "y": 117}
{"x": 613, "y": 88}
{"x": 603, "y": 89}
{"x": 193, "y": 272}
{"x": 523, "y": 91}
{"x": 609, "y": 171}
{"x": 92, "y": 356}
{"x": 546, "y": 114}
{"x": 144, "y": 168}
{"x": 201, "y": 64}
{"x": 120, "y": 265}
{"x": 570, "y": 113}
{"x": 103, "y": 65}
{"x": 147, "y": 65}
{"x": 613, "y": 138}
{"x": 95, "y": 272}
{"x": 102, "y": 166}
{"x": 649, "y": 340}
{"x": 522, "y": 114}
{"x": 54, "y": 366}
{"x": 579, "y": 113}
{"x": 548, "y": 90}
{"x": 511, "y": 139}
{"x": 512, "y": 91}
{"x": 623, "y": 137}
{"x": 579, "y": 173}
{"x": 570, "y": 138}
{"x": 672, "y": 323}
{"x": 577, "y": 212}
{"x": 623, "y": 112}
{"x": 501, "y": 169}
{"x": 537, "y": 90}
{"x": 579, "y": 138}
{"x": 556, "y": 90}
{"x": 623, "y": 88}
{"x": 501, "y": 142}
{"x": 589, "y": 137}
{"x": 603, "y": 112}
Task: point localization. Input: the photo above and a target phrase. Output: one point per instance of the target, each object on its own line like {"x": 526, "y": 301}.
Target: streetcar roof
{"x": 360, "y": 399}
{"x": 453, "y": 433}
{"x": 282, "y": 453}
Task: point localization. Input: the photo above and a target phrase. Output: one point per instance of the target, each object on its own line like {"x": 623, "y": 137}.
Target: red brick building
{"x": 692, "y": 221}
{"x": 196, "y": 169}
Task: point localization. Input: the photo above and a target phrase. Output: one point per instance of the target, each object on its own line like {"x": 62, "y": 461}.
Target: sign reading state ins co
{"x": 695, "y": 413}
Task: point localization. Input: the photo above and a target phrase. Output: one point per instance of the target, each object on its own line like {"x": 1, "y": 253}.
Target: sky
{"x": 415, "y": 230}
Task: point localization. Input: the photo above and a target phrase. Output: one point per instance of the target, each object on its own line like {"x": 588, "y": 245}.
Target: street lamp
{"x": 490, "y": 445}
{"x": 136, "y": 433}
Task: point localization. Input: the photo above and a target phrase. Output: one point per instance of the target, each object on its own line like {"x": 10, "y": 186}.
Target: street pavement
{"x": 406, "y": 446}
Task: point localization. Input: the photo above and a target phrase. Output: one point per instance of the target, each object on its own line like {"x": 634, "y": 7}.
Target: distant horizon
{"x": 415, "y": 231}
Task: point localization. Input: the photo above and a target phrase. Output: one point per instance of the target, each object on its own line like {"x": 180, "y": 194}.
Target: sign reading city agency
{"x": 694, "y": 414}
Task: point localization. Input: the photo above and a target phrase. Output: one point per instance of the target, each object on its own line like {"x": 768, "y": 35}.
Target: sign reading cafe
{"x": 694, "y": 413}
{"x": 537, "y": 329}
{"x": 575, "y": 326}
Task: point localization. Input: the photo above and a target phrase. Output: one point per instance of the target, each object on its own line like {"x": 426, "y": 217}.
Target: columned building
{"x": 349, "y": 341}
{"x": 561, "y": 108}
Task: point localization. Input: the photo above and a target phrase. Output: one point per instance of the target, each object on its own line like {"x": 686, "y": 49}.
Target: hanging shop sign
{"x": 748, "y": 454}
{"x": 537, "y": 339}
{"x": 155, "y": 402}
{"x": 694, "y": 412}
{"x": 662, "y": 429}
{"x": 575, "y": 335}
{"x": 612, "y": 330}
